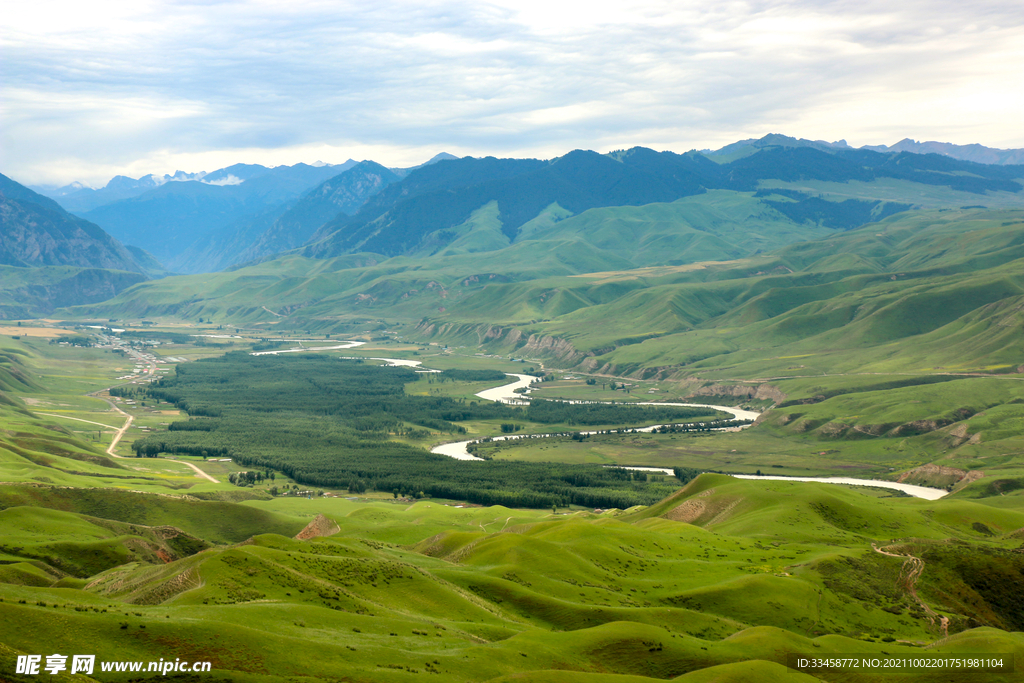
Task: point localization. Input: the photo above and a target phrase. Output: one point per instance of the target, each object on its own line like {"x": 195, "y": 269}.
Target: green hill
{"x": 722, "y": 580}
{"x": 418, "y": 210}
{"x": 36, "y": 292}
{"x": 492, "y": 593}
{"x": 804, "y": 290}
{"x": 468, "y": 258}
{"x": 912, "y": 277}
{"x": 889, "y": 351}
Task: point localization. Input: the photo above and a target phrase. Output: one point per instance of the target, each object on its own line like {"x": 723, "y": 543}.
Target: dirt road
{"x": 128, "y": 423}
{"x": 910, "y": 572}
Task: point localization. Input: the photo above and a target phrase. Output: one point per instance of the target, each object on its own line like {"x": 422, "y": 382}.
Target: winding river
{"x": 915, "y": 491}
{"x": 389, "y": 362}
{"x": 343, "y": 345}
{"x": 506, "y": 394}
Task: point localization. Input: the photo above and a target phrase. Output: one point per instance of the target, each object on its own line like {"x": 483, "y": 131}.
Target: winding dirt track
{"x": 128, "y": 423}
{"x": 910, "y": 572}
{"x": 120, "y": 432}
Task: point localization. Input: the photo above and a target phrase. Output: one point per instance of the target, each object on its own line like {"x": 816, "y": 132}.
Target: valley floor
{"x": 724, "y": 579}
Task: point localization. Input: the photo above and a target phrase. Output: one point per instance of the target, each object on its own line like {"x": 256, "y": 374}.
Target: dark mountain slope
{"x": 934, "y": 169}
{"x": 35, "y": 231}
{"x": 687, "y": 174}
{"x": 199, "y": 227}
{"x": 839, "y": 215}
{"x": 424, "y": 207}
{"x": 425, "y": 202}
{"x": 792, "y": 164}
{"x": 430, "y": 198}
{"x": 344, "y": 194}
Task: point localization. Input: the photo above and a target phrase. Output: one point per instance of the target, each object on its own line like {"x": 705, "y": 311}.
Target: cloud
{"x": 226, "y": 180}
{"x": 88, "y": 89}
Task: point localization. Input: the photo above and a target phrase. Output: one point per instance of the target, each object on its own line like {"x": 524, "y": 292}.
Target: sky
{"x": 89, "y": 90}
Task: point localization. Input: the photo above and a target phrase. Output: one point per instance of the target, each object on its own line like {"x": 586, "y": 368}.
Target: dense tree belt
{"x": 327, "y": 422}
{"x": 564, "y": 412}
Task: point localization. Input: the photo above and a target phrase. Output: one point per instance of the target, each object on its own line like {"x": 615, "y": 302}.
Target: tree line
{"x": 571, "y": 413}
{"x": 326, "y": 422}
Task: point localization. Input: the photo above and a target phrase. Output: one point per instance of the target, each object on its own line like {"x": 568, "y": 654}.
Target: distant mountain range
{"x": 202, "y": 222}
{"x": 343, "y": 194}
{"x": 424, "y": 209}
{"x": 633, "y": 261}
{"x": 474, "y": 243}
{"x": 976, "y": 153}
{"x": 169, "y": 219}
{"x": 79, "y": 198}
{"x": 244, "y": 213}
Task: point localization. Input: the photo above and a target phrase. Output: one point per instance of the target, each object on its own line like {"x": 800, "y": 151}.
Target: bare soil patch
{"x": 47, "y": 332}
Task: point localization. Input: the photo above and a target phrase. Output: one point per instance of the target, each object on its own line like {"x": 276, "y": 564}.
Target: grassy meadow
{"x": 139, "y": 558}
{"x": 891, "y": 351}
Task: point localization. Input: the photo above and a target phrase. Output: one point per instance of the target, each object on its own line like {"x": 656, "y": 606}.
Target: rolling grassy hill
{"x": 918, "y": 271}
{"x": 468, "y": 257}
{"x": 891, "y": 350}
{"x": 719, "y": 581}
{"x": 913, "y": 279}
{"x": 491, "y": 592}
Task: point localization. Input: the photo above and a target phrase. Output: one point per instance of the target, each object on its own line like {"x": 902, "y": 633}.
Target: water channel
{"x": 506, "y": 394}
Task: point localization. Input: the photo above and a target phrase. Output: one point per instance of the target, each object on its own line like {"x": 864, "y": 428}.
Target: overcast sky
{"x": 94, "y": 89}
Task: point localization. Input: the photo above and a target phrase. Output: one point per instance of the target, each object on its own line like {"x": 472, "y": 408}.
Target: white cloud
{"x": 155, "y": 86}
{"x": 226, "y": 180}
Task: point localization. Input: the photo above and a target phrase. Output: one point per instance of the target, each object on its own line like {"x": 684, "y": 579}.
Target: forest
{"x": 328, "y": 422}
{"x": 619, "y": 414}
